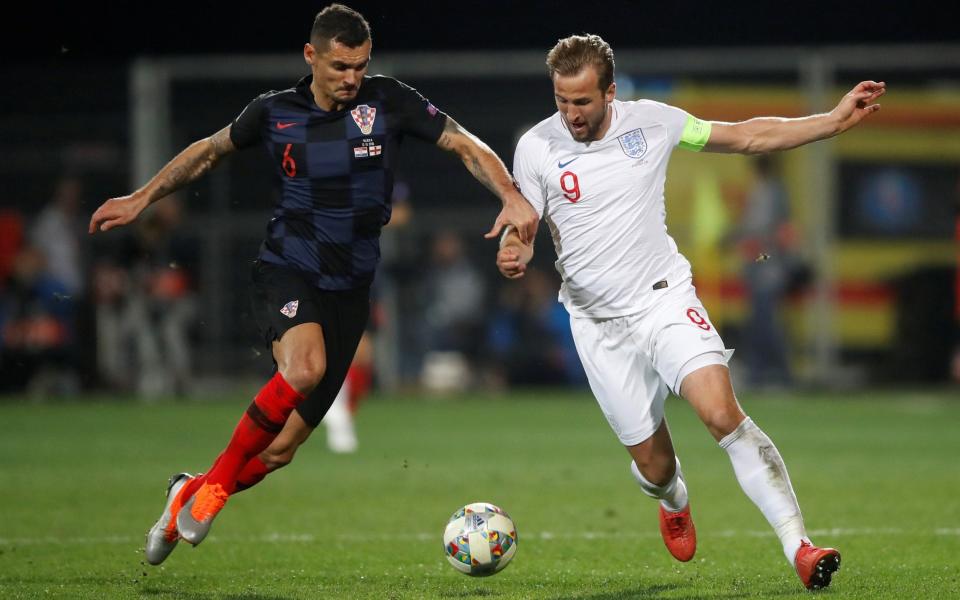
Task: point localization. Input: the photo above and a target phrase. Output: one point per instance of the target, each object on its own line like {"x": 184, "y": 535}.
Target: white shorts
{"x": 633, "y": 361}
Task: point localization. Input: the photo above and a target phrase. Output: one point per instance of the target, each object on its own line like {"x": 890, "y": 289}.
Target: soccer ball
{"x": 480, "y": 539}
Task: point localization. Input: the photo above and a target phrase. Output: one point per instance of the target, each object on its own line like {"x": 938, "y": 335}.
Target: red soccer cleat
{"x": 816, "y": 566}
{"x": 679, "y": 534}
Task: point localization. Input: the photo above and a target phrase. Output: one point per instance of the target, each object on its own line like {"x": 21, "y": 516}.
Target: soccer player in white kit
{"x": 595, "y": 172}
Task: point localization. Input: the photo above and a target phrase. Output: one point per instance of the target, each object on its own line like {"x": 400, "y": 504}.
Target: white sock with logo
{"x": 763, "y": 477}
{"x": 672, "y": 495}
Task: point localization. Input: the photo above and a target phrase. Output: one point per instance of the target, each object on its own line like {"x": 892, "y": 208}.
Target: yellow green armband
{"x": 695, "y": 134}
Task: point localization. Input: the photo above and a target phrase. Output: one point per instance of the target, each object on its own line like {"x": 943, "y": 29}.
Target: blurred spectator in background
{"x": 145, "y": 301}
{"x": 164, "y": 271}
{"x": 11, "y": 239}
{"x": 36, "y": 329}
{"x": 529, "y": 335}
{"x": 57, "y": 232}
{"x": 767, "y": 241}
{"x": 454, "y": 293}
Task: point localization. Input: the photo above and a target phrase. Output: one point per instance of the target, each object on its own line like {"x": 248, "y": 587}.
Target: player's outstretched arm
{"x": 488, "y": 169}
{"x": 769, "y": 134}
{"x": 513, "y": 255}
{"x": 198, "y": 158}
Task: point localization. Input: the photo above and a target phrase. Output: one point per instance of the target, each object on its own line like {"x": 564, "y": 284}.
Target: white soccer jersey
{"x": 603, "y": 202}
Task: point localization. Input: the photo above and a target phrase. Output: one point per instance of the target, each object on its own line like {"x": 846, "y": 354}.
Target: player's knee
{"x": 723, "y": 421}
{"x": 657, "y": 469}
{"x": 304, "y": 374}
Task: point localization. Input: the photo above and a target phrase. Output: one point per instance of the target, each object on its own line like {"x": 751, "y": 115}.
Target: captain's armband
{"x": 695, "y": 134}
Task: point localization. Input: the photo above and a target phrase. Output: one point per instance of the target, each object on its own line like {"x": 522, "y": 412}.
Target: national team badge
{"x": 289, "y": 309}
{"x": 633, "y": 143}
{"x": 364, "y": 116}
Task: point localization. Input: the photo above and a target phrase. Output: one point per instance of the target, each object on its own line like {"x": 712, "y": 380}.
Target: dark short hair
{"x": 339, "y": 23}
{"x": 572, "y": 54}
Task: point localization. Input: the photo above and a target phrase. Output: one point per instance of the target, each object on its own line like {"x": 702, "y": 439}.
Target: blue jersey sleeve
{"x": 246, "y": 129}
{"x": 414, "y": 114}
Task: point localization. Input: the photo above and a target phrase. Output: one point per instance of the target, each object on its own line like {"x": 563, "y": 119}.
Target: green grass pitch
{"x": 877, "y": 475}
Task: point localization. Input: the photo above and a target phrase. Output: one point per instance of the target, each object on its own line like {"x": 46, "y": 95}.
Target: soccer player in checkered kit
{"x": 595, "y": 172}
{"x": 333, "y": 140}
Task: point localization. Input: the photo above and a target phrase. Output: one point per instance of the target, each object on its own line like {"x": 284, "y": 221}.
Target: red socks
{"x": 257, "y": 428}
{"x": 359, "y": 378}
{"x": 252, "y": 473}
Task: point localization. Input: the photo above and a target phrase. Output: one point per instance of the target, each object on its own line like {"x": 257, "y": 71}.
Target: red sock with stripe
{"x": 252, "y": 473}
{"x": 258, "y": 427}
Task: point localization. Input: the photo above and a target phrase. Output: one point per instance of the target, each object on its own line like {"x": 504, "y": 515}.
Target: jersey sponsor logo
{"x": 633, "y": 143}
{"x": 364, "y": 116}
{"x": 286, "y": 125}
{"x": 561, "y": 165}
{"x": 289, "y": 309}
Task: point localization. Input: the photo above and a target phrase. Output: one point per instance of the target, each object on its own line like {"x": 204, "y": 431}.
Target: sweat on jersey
{"x": 603, "y": 202}
{"x": 335, "y": 172}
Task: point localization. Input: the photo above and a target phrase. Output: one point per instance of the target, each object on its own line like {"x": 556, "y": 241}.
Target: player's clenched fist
{"x": 510, "y": 264}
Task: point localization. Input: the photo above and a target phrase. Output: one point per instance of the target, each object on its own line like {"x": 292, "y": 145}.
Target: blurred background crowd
{"x": 834, "y": 265}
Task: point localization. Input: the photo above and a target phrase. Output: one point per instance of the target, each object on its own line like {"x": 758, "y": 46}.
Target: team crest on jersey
{"x": 633, "y": 143}
{"x": 364, "y": 116}
{"x": 289, "y": 309}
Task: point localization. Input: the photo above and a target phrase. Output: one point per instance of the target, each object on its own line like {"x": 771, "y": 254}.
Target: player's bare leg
{"x": 301, "y": 362}
{"x": 657, "y": 470}
{"x": 759, "y": 470}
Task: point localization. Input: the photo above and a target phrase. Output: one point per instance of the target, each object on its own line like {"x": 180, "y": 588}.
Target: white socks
{"x": 341, "y": 436}
{"x": 672, "y": 495}
{"x": 763, "y": 477}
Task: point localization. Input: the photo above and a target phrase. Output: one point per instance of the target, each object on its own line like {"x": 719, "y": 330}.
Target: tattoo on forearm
{"x": 172, "y": 181}
{"x": 478, "y": 171}
{"x": 193, "y": 163}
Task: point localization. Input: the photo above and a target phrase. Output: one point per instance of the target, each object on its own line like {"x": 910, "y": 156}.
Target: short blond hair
{"x": 572, "y": 54}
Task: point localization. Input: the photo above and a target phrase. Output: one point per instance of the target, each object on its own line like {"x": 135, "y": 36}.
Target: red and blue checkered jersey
{"x": 335, "y": 173}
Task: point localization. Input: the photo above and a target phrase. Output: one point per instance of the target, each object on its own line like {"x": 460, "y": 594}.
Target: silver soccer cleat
{"x": 163, "y": 536}
{"x": 196, "y": 516}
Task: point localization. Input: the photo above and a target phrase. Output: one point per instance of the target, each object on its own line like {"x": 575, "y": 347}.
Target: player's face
{"x": 337, "y": 71}
{"x": 582, "y": 104}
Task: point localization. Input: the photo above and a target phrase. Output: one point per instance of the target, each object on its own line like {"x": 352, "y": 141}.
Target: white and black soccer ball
{"x": 480, "y": 539}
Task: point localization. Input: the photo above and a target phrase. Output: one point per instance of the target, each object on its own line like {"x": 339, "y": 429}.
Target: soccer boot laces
{"x": 679, "y": 534}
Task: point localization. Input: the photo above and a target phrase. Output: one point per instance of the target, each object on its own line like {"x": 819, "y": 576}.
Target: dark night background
{"x": 117, "y": 30}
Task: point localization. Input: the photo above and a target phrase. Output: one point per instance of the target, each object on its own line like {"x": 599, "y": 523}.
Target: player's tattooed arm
{"x": 191, "y": 164}
{"x": 488, "y": 169}
{"x": 188, "y": 166}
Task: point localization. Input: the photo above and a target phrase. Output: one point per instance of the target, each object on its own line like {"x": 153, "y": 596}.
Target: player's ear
{"x": 309, "y": 53}
{"x": 611, "y": 92}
